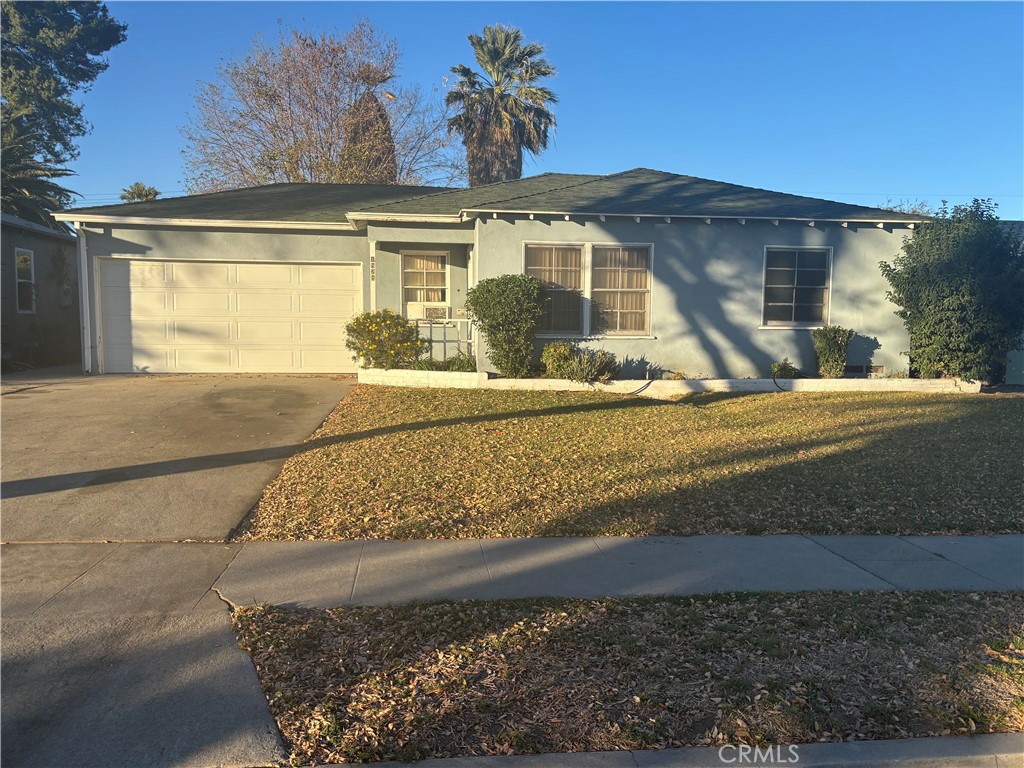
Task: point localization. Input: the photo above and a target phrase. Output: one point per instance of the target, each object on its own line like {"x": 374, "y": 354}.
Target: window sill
{"x": 593, "y": 337}
{"x": 791, "y": 327}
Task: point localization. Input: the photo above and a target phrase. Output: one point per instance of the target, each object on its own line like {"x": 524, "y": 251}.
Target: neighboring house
{"x": 677, "y": 272}
{"x": 39, "y": 283}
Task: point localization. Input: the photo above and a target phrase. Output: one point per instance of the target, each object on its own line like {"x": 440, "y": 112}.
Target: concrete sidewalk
{"x": 324, "y": 574}
{"x": 119, "y": 655}
{"x": 123, "y": 654}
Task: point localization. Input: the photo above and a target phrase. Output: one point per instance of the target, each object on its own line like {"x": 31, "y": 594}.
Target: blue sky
{"x": 851, "y": 101}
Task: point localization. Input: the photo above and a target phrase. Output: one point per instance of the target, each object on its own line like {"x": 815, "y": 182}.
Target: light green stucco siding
{"x": 707, "y": 289}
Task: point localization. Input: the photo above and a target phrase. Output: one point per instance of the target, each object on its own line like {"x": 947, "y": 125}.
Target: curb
{"x": 1000, "y": 750}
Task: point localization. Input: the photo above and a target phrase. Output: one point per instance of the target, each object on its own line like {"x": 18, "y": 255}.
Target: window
{"x": 26, "y": 280}
{"x": 616, "y": 279}
{"x": 560, "y": 269}
{"x": 796, "y": 285}
{"x": 620, "y": 290}
{"x": 425, "y": 277}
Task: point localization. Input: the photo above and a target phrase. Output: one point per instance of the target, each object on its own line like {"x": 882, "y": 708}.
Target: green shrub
{"x": 958, "y": 285}
{"x": 507, "y": 310}
{"x": 555, "y": 357}
{"x": 830, "y": 343}
{"x": 786, "y": 370}
{"x": 460, "y": 362}
{"x": 564, "y": 360}
{"x": 384, "y": 339}
{"x": 590, "y": 365}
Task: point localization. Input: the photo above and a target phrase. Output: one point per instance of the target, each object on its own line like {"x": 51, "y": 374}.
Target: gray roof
{"x": 640, "y": 191}
{"x": 326, "y": 203}
{"x": 10, "y": 219}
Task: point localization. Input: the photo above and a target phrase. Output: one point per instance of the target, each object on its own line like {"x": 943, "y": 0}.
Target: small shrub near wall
{"x": 564, "y": 360}
{"x": 384, "y": 339}
{"x": 830, "y": 343}
{"x": 507, "y": 309}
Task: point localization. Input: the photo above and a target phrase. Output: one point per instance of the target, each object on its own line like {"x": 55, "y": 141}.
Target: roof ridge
{"x": 602, "y": 177}
{"x": 553, "y": 189}
{"x": 457, "y": 190}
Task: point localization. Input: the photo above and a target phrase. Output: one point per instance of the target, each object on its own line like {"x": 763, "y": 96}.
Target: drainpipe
{"x": 83, "y": 298}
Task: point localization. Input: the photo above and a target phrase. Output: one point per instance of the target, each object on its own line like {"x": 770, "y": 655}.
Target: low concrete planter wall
{"x": 661, "y": 389}
{"x": 423, "y": 379}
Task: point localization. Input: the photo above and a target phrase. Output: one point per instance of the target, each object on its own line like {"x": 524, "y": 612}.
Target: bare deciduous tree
{"x": 317, "y": 108}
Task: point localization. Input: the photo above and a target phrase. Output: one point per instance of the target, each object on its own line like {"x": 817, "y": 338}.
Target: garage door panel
{"x": 337, "y": 277}
{"x": 266, "y": 359}
{"x": 249, "y": 274}
{"x": 254, "y": 330}
{"x": 184, "y": 275}
{"x": 140, "y": 303}
{"x": 202, "y": 359}
{"x": 264, "y": 303}
{"x": 331, "y": 333}
{"x": 324, "y": 359}
{"x": 325, "y": 304}
{"x": 221, "y": 317}
{"x": 189, "y": 301}
{"x": 140, "y": 332}
{"x": 137, "y": 359}
{"x": 200, "y": 332}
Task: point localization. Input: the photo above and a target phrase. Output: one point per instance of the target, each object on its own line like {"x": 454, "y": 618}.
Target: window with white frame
{"x": 615, "y": 280}
{"x": 24, "y": 261}
{"x": 425, "y": 277}
{"x": 560, "y": 270}
{"x": 796, "y": 286}
{"x": 620, "y": 292}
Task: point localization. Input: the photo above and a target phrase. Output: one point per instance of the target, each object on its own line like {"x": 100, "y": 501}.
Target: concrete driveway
{"x": 148, "y": 458}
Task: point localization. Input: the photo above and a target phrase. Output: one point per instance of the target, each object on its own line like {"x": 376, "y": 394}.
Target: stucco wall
{"x": 707, "y": 285}
{"x": 51, "y": 335}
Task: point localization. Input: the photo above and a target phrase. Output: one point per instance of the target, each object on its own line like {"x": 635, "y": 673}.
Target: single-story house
{"x": 38, "y": 281}
{"x": 676, "y": 272}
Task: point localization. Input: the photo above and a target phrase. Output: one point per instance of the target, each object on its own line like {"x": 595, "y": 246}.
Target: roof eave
{"x": 733, "y": 216}
{"x": 82, "y": 217}
{"x": 410, "y": 218}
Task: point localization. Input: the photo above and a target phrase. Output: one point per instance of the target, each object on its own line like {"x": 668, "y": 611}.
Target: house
{"x": 38, "y": 280}
{"x": 671, "y": 271}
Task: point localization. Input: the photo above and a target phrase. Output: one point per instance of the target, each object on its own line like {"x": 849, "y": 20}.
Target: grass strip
{"x": 555, "y": 675}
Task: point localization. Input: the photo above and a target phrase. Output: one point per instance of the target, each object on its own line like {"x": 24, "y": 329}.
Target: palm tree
{"x": 502, "y": 111}
{"x": 26, "y": 185}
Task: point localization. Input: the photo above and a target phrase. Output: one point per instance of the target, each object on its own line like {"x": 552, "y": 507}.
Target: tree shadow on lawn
{"x": 870, "y": 477}
{"x": 72, "y": 480}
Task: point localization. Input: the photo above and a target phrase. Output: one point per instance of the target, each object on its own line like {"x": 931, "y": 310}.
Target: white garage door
{"x": 191, "y": 317}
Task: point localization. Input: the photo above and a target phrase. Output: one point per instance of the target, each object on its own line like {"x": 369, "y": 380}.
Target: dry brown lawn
{"x": 557, "y": 675}
{"x": 393, "y": 463}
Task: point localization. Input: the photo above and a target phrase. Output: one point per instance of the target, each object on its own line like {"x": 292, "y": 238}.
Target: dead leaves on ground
{"x": 395, "y": 463}
{"x": 552, "y": 675}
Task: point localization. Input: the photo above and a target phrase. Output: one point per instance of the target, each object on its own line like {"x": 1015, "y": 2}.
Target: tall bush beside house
{"x": 830, "y": 343}
{"x": 384, "y": 339}
{"x": 958, "y": 285}
{"x": 507, "y": 309}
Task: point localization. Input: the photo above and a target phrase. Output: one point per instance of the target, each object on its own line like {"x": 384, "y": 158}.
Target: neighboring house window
{"x": 26, "y": 279}
{"x": 425, "y": 278}
{"x": 796, "y": 286}
{"x": 620, "y": 290}
{"x": 560, "y": 269}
